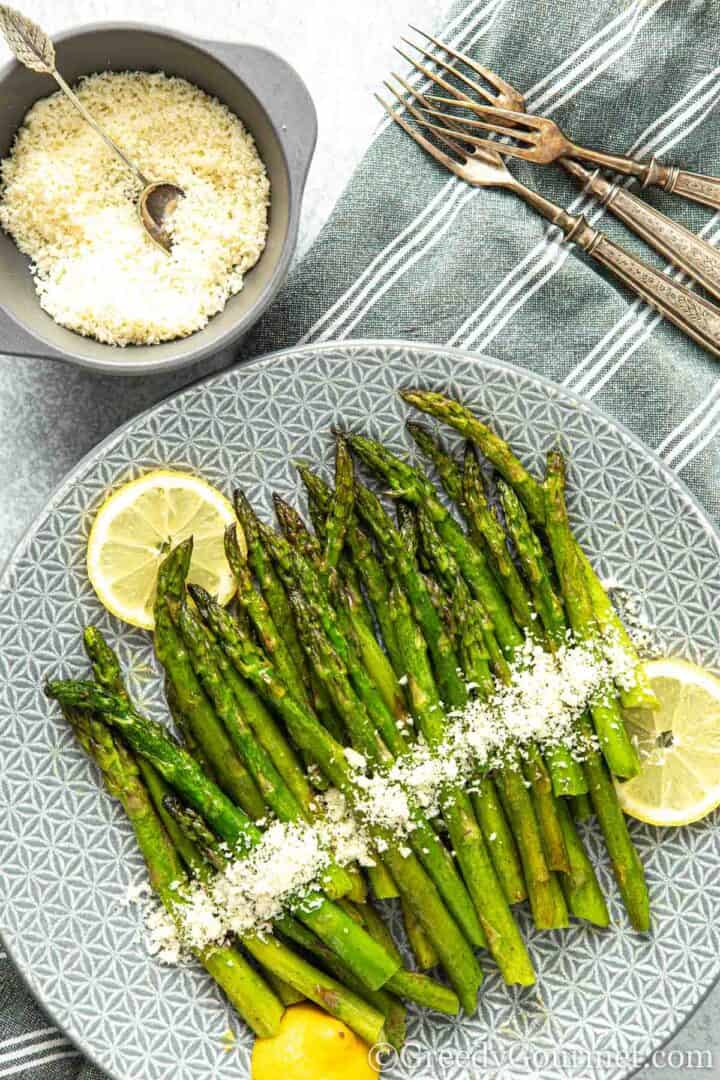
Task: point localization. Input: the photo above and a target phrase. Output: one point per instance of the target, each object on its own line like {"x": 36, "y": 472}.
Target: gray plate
{"x": 604, "y": 1000}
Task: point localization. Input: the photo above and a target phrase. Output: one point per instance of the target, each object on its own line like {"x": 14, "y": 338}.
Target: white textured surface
{"x": 51, "y": 415}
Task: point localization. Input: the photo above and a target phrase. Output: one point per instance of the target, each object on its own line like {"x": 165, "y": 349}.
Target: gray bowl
{"x": 273, "y": 103}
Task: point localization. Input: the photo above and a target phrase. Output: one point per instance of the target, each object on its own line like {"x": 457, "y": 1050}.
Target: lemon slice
{"x": 679, "y": 746}
{"x": 311, "y": 1045}
{"x": 137, "y": 526}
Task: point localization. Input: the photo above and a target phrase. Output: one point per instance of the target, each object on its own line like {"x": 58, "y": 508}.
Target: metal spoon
{"x": 33, "y": 48}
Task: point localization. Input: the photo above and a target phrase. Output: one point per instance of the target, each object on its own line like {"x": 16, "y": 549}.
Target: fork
{"x": 542, "y": 141}
{"x": 700, "y": 260}
{"x": 483, "y": 168}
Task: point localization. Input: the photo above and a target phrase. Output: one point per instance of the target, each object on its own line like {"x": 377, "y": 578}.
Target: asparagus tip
{"x": 200, "y": 595}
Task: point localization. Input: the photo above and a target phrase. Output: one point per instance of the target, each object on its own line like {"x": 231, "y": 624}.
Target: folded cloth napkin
{"x": 410, "y": 252}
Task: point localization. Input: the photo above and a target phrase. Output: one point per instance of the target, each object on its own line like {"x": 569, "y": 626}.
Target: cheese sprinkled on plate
{"x": 70, "y": 205}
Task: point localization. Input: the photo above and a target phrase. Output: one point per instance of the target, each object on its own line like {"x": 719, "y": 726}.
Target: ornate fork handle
{"x": 676, "y": 243}
{"x": 698, "y": 318}
{"x": 695, "y": 186}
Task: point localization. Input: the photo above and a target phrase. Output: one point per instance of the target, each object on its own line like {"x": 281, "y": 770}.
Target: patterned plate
{"x": 604, "y": 1000}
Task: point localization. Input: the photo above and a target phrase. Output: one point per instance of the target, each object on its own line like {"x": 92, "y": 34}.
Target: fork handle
{"x": 652, "y": 173}
{"x": 698, "y": 318}
{"x": 700, "y": 260}
{"x": 695, "y": 186}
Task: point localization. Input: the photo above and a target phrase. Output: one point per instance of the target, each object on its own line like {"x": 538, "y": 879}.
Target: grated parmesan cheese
{"x": 70, "y": 205}
{"x": 541, "y": 704}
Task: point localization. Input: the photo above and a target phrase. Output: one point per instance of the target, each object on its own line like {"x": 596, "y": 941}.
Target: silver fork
{"x": 699, "y": 260}
{"x": 483, "y": 168}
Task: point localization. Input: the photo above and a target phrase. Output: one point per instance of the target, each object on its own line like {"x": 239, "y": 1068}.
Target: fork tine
{"x": 450, "y": 143}
{"x": 432, "y": 76}
{"x": 474, "y": 86}
{"x": 443, "y": 133}
{"x": 453, "y": 145}
{"x": 434, "y": 151}
{"x": 499, "y": 148}
{"x": 492, "y": 77}
{"x": 463, "y": 123}
{"x": 528, "y": 120}
{"x": 472, "y": 139}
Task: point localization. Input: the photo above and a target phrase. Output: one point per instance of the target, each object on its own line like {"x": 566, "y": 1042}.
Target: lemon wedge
{"x": 679, "y": 747}
{"x": 311, "y": 1045}
{"x": 136, "y": 527}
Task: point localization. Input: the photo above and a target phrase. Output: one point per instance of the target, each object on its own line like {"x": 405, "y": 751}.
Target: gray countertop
{"x": 51, "y": 415}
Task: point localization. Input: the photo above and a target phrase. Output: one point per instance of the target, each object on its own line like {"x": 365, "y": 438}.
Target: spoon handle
{"x": 72, "y": 96}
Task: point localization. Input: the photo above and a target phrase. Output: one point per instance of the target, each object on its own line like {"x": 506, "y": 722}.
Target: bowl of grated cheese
{"x": 233, "y": 125}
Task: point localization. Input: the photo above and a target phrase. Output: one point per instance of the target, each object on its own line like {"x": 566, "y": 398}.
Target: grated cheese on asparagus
{"x": 70, "y": 205}
{"x": 540, "y": 705}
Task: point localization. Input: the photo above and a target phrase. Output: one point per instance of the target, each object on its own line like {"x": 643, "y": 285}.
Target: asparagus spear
{"x": 626, "y": 863}
{"x": 581, "y": 807}
{"x": 503, "y": 936}
{"x": 640, "y": 694}
{"x": 580, "y": 885}
{"x": 338, "y": 625}
{"x": 619, "y": 752}
{"x": 296, "y": 531}
{"x": 535, "y": 567}
{"x": 603, "y": 799}
{"x": 344, "y": 997}
{"x": 392, "y": 1009}
{"x": 271, "y": 587}
{"x": 245, "y": 987}
{"x": 423, "y": 989}
{"x": 412, "y": 985}
{"x": 376, "y": 663}
{"x": 409, "y": 484}
{"x": 546, "y": 810}
{"x": 306, "y": 731}
{"x": 407, "y": 984}
{"x": 271, "y": 738}
{"x": 363, "y": 558}
{"x": 367, "y": 741}
{"x": 260, "y": 557}
{"x": 404, "y": 568}
{"x": 341, "y": 508}
{"x": 485, "y": 525}
{"x": 448, "y": 469}
{"x": 261, "y": 618}
{"x": 259, "y": 741}
{"x": 256, "y": 609}
{"x": 466, "y": 487}
{"x": 424, "y": 951}
{"x": 546, "y": 901}
{"x": 474, "y": 624}
{"x": 499, "y": 839}
{"x": 214, "y": 671}
{"x": 211, "y": 667}
{"x": 184, "y": 730}
{"x": 347, "y": 572}
{"x": 232, "y": 775}
{"x": 150, "y": 740}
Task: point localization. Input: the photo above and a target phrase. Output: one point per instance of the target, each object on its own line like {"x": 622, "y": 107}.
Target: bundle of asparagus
{"x": 351, "y": 649}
